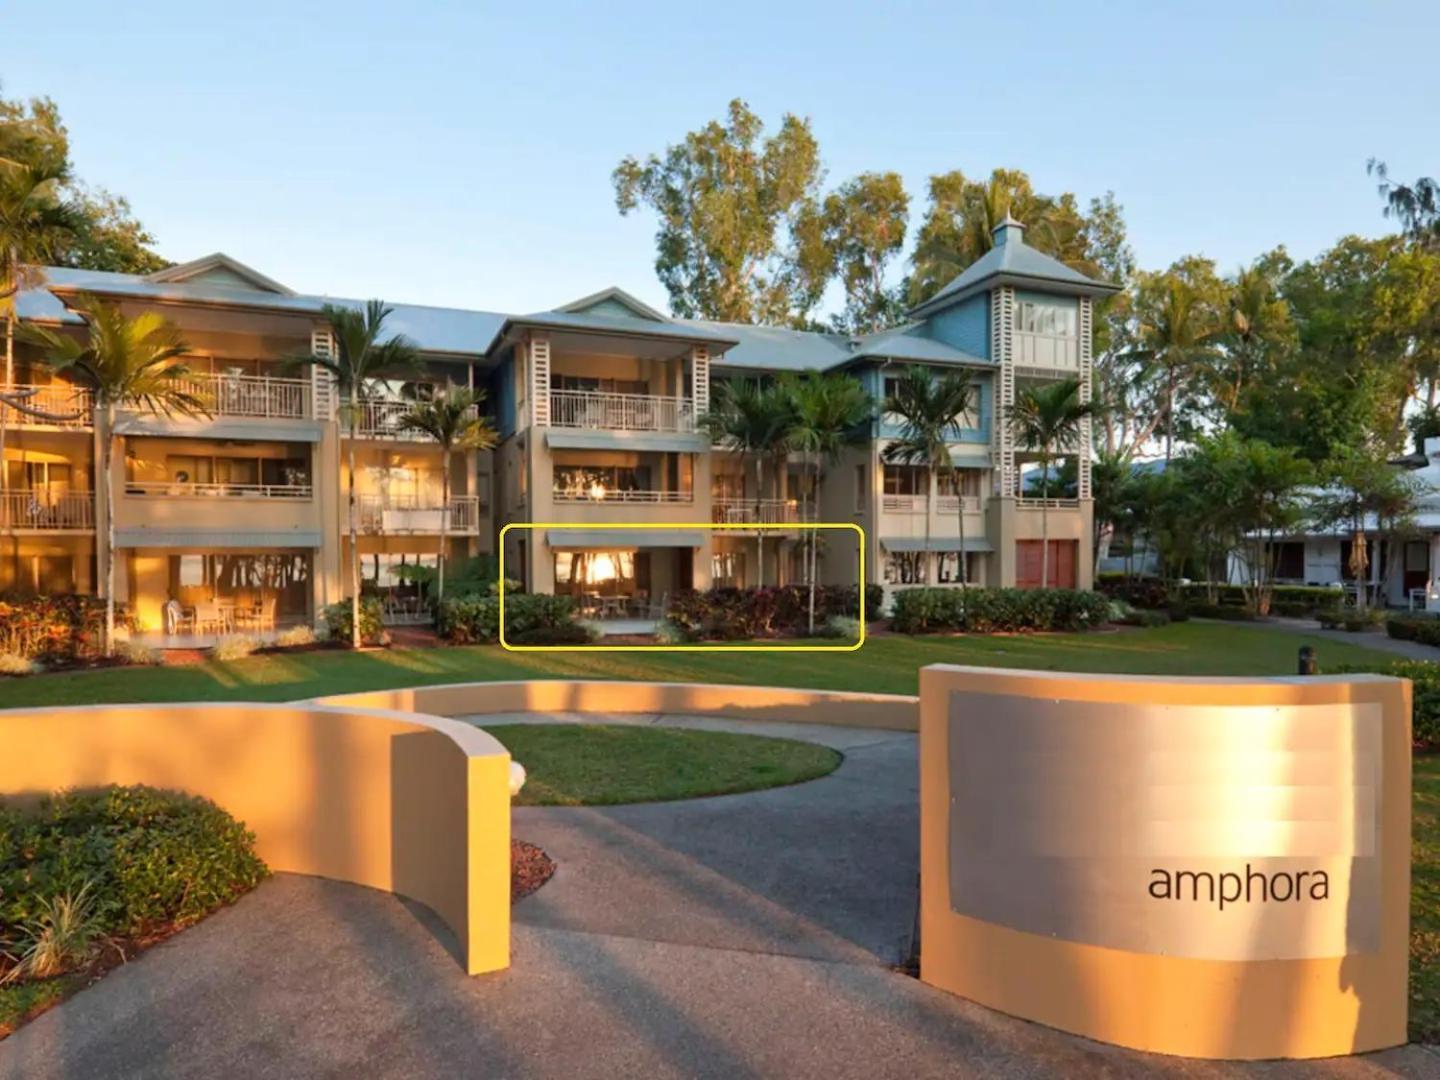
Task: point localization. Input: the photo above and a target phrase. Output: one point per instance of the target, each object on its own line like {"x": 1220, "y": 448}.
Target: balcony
{"x": 62, "y": 406}
{"x": 620, "y": 412}
{"x": 1047, "y": 352}
{"x": 763, "y": 512}
{"x": 409, "y": 515}
{"x": 383, "y": 420}
{"x": 263, "y": 397}
{"x": 217, "y": 491}
{"x": 1046, "y": 504}
{"x": 917, "y": 504}
{"x": 46, "y": 511}
{"x": 606, "y": 496}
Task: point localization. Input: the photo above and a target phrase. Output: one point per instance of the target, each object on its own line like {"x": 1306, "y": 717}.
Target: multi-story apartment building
{"x": 597, "y": 404}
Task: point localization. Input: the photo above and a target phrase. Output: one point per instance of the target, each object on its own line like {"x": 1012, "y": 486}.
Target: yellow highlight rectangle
{"x": 670, "y": 526}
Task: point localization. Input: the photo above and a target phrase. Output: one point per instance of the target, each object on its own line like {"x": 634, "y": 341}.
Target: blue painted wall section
{"x": 502, "y": 393}
{"x": 965, "y": 326}
{"x": 873, "y": 377}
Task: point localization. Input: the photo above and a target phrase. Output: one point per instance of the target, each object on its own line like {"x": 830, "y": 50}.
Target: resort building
{"x": 598, "y": 405}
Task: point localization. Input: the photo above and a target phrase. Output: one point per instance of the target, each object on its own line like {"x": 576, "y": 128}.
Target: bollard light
{"x": 1307, "y": 660}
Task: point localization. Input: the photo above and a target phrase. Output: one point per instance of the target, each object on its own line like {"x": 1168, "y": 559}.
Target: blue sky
{"x": 460, "y": 154}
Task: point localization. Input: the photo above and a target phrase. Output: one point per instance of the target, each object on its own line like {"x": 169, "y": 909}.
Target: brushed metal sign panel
{"x": 1224, "y": 833}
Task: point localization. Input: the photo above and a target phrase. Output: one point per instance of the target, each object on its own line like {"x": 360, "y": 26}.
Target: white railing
{"x": 408, "y": 514}
{"x": 261, "y": 396}
{"x": 916, "y": 504}
{"x": 1028, "y": 503}
{"x": 584, "y": 495}
{"x": 1051, "y": 351}
{"x": 620, "y": 412}
{"x": 768, "y": 512}
{"x": 382, "y": 420}
{"x": 185, "y": 489}
{"x": 68, "y": 406}
{"x": 42, "y": 509}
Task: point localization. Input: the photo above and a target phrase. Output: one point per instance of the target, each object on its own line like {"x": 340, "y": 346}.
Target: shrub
{"x": 1141, "y": 592}
{"x": 372, "y": 623}
{"x": 470, "y": 620}
{"x": 58, "y": 629}
{"x": 139, "y": 654}
{"x": 235, "y": 647}
{"x": 14, "y": 664}
{"x": 527, "y": 612}
{"x": 1291, "y": 600}
{"x": 843, "y": 627}
{"x": 62, "y": 936}
{"x": 530, "y": 618}
{"x": 1350, "y": 619}
{"x": 986, "y": 611}
{"x": 1221, "y": 611}
{"x": 1146, "y": 618}
{"x": 295, "y": 637}
{"x": 149, "y": 857}
{"x": 740, "y": 614}
{"x": 668, "y": 633}
{"x": 1425, "y": 710}
{"x": 1424, "y": 629}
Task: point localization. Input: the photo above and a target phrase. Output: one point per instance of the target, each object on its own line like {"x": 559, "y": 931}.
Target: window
{"x": 906, "y": 480}
{"x": 727, "y": 570}
{"x": 588, "y": 384}
{"x": 244, "y": 579}
{"x": 862, "y": 492}
{"x": 233, "y": 475}
{"x": 728, "y": 487}
{"x": 606, "y": 573}
{"x": 969, "y": 482}
{"x": 576, "y": 482}
{"x": 948, "y": 571}
{"x": 1056, "y": 318}
{"x": 904, "y": 568}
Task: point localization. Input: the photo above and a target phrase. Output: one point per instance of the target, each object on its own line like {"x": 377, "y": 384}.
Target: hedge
{"x": 745, "y": 614}
{"x": 530, "y": 619}
{"x": 1296, "y": 599}
{"x": 55, "y": 629}
{"x": 1425, "y": 710}
{"x": 1141, "y": 592}
{"x": 372, "y": 622}
{"x": 987, "y": 611}
{"x": 150, "y": 859}
{"x": 1424, "y": 629}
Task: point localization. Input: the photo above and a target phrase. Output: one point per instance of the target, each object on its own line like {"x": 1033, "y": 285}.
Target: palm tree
{"x": 753, "y": 421}
{"x": 359, "y": 359}
{"x": 1175, "y": 333}
{"x": 932, "y": 413}
{"x": 830, "y": 414}
{"x": 126, "y": 364}
{"x": 1046, "y": 419}
{"x": 453, "y": 420}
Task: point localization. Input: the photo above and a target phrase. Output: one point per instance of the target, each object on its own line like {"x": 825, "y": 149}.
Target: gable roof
{"x": 221, "y": 270}
{"x": 613, "y": 300}
{"x": 1013, "y": 262}
{"x": 777, "y": 348}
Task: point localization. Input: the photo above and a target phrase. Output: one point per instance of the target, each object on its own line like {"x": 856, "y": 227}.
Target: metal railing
{"x": 45, "y": 510}
{"x": 588, "y": 495}
{"x": 262, "y": 396}
{"x": 1027, "y": 503}
{"x": 620, "y": 412}
{"x": 186, "y": 489}
{"x": 409, "y": 514}
{"x": 917, "y": 504}
{"x": 768, "y": 512}
{"x": 69, "y": 406}
{"x": 382, "y": 420}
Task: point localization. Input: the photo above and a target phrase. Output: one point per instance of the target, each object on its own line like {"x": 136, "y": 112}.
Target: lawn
{"x": 605, "y": 764}
{"x": 887, "y": 664}
{"x": 1425, "y": 904}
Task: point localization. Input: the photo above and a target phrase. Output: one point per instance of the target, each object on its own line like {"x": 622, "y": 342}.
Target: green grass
{"x": 19, "y": 1000}
{"x": 887, "y": 664}
{"x": 1425, "y": 904}
{"x": 605, "y": 764}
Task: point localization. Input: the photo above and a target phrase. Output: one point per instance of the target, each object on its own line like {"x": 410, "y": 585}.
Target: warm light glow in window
{"x": 601, "y": 568}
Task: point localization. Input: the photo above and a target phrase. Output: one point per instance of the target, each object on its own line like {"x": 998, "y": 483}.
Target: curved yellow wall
{"x": 416, "y": 805}
{"x": 1036, "y": 853}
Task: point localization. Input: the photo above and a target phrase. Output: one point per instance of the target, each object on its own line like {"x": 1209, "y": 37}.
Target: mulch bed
{"x": 529, "y": 869}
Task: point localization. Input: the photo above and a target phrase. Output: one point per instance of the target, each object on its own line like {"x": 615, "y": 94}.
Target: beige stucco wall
{"x": 417, "y": 805}
{"x": 1309, "y": 1007}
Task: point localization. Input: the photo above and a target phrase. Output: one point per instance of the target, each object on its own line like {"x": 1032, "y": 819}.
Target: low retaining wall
{"x": 892, "y": 712}
{"x": 1210, "y": 867}
{"x": 416, "y": 805}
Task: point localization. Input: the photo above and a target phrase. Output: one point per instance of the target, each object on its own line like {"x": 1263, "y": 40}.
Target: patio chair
{"x": 660, "y": 610}
{"x": 209, "y": 618}
{"x": 177, "y": 619}
{"x": 265, "y": 613}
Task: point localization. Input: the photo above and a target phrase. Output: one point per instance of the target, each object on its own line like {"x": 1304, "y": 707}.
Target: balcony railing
{"x": 1050, "y": 351}
{"x": 218, "y": 491}
{"x": 1047, "y": 504}
{"x": 767, "y": 512}
{"x": 589, "y": 495}
{"x": 44, "y": 510}
{"x": 382, "y": 420}
{"x": 260, "y": 396}
{"x": 63, "y": 406}
{"x": 409, "y": 514}
{"x": 620, "y": 412}
{"x": 916, "y": 504}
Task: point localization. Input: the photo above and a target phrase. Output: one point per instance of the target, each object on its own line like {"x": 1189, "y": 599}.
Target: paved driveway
{"x": 745, "y": 936}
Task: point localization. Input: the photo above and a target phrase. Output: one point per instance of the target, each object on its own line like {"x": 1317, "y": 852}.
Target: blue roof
{"x": 908, "y": 343}
{"x": 775, "y": 348}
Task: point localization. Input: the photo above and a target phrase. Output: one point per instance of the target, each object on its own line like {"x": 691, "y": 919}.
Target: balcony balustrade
{"x": 400, "y": 514}
{"x": 58, "y": 405}
{"x": 765, "y": 512}
{"x": 186, "y": 489}
{"x": 917, "y": 504}
{"x": 607, "y": 495}
{"x": 620, "y": 412}
{"x": 383, "y": 420}
{"x": 259, "y": 396}
{"x": 41, "y": 510}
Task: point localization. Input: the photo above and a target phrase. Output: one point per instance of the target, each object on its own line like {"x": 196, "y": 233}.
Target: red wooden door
{"x": 1063, "y": 557}
{"x": 1027, "y": 564}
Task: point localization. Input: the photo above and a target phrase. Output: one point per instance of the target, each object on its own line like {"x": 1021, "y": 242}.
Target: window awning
{"x": 218, "y": 428}
{"x": 680, "y": 442}
{"x": 625, "y": 538}
{"x": 970, "y": 455}
{"x": 974, "y": 544}
{"x": 216, "y": 538}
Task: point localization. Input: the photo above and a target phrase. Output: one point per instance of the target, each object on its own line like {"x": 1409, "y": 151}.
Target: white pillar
{"x": 1432, "y": 580}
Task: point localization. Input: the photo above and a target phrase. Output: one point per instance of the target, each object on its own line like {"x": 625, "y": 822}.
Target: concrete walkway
{"x": 744, "y": 936}
{"x": 1371, "y": 639}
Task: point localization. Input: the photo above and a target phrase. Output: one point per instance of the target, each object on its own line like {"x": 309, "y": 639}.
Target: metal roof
{"x": 775, "y": 348}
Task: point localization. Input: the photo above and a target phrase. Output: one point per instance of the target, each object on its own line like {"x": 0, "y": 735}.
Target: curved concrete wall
{"x": 417, "y": 805}
{"x": 892, "y": 712}
{"x": 1209, "y": 867}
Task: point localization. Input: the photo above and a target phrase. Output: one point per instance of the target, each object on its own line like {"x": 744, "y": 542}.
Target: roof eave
{"x": 1008, "y": 277}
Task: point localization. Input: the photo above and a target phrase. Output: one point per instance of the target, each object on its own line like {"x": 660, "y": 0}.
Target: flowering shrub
{"x": 742, "y": 614}
{"x": 58, "y": 629}
{"x": 989, "y": 611}
{"x": 530, "y": 619}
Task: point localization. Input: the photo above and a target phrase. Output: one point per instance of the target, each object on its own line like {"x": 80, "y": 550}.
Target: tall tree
{"x": 1255, "y": 332}
{"x": 126, "y": 363}
{"x": 864, "y": 229}
{"x": 830, "y": 413}
{"x": 732, "y": 203}
{"x": 932, "y": 412}
{"x": 1047, "y": 420}
{"x": 453, "y": 420}
{"x": 753, "y": 421}
{"x": 1177, "y": 321}
{"x": 1416, "y": 206}
{"x": 363, "y": 353}
{"x": 1361, "y": 491}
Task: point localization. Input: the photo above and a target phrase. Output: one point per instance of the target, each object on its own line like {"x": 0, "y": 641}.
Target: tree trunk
{"x": 759, "y": 514}
{"x": 444, "y": 530}
{"x": 929, "y": 507}
{"x": 4, "y": 410}
{"x": 1169, "y": 413}
{"x": 107, "y": 439}
{"x": 355, "y": 639}
{"x": 814, "y": 535}
{"x": 1045, "y": 521}
{"x": 964, "y": 562}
